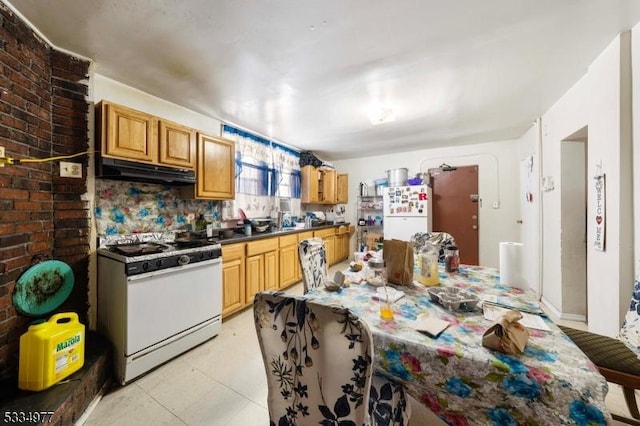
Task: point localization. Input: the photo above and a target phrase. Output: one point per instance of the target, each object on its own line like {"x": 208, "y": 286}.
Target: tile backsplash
{"x": 130, "y": 207}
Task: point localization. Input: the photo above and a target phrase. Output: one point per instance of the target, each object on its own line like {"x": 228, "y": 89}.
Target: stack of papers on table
{"x": 494, "y": 312}
{"x": 429, "y": 325}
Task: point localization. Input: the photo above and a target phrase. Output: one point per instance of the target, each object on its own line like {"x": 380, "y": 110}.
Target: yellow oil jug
{"x": 50, "y": 351}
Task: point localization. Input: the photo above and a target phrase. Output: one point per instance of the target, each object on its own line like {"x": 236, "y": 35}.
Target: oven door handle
{"x": 173, "y": 270}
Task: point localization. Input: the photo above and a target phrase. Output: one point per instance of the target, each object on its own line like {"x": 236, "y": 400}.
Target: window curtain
{"x": 265, "y": 172}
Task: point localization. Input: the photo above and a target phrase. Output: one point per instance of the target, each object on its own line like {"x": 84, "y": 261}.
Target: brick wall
{"x": 43, "y": 113}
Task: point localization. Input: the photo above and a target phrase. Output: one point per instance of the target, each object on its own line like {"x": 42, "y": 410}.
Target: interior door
{"x": 455, "y": 208}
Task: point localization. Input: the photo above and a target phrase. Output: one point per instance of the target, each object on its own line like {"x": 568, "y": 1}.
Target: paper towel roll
{"x": 511, "y": 265}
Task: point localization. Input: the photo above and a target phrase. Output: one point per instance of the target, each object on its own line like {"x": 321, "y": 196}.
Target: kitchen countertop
{"x": 240, "y": 238}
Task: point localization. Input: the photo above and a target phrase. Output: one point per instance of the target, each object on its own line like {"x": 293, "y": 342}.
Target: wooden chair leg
{"x": 630, "y": 399}
{"x": 625, "y": 420}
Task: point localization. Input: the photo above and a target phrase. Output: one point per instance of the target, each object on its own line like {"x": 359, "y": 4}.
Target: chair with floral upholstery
{"x": 442, "y": 240}
{"x": 617, "y": 359}
{"x": 318, "y": 361}
{"x": 313, "y": 263}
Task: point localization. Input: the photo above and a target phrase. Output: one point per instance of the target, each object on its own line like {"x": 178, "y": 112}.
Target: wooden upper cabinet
{"x": 310, "y": 179}
{"x": 328, "y": 184}
{"x": 127, "y": 133}
{"x": 177, "y": 145}
{"x": 342, "y": 192}
{"x": 318, "y": 185}
{"x": 216, "y": 168}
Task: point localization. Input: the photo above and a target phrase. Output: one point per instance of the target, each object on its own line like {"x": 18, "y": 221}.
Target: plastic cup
{"x": 386, "y": 306}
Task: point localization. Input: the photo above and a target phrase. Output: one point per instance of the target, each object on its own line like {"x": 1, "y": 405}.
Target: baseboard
{"x": 561, "y": 315}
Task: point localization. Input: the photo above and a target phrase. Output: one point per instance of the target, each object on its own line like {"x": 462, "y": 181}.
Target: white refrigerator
{"x": 407, "y": 210}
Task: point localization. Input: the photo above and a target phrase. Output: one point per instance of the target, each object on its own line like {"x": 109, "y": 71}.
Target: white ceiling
{"x": 304, "y": 72}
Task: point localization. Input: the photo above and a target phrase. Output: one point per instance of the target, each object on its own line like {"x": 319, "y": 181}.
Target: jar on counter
{"x": 376, "y": 273}
{"x": 428, "y": 264}
{"x": 451, "y": 259}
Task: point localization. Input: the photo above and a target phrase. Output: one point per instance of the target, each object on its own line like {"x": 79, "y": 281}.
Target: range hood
{"x": 111, "y": 168}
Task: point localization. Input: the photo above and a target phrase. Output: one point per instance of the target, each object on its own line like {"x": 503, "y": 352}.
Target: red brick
{"x": 42, "y": 236}
{"x": 40, "y": 196}
{"x": 31, "y": 205}
{"x": 13, "y": 252}
{"x": 28, "y": 227}
{"x": 7, "y": 228}
{"x": 12, "y": 216}
{"x": 17, "y": 263}
{"x": 39, "y": 246}
{"x": 71, "y": 214}
{"x": 14, "y": 194}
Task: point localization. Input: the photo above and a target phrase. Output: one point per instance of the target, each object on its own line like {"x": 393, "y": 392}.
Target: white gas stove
{"x": 157, "y": 298}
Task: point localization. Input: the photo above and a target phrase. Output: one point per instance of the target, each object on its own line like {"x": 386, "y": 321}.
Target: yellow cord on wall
{"x": 9, "y": 160}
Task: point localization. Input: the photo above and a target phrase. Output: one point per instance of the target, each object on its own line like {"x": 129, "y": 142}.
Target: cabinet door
{"x": 328, "y": 183}
{"x": 310, "y": 179}
{"x": 271, "y": 268}
{"x": 232, "y": 286}
{"x": 216, "y": 168}
{"x": 177, "y": 145}
{"x": 288, "y": 265}
{"x": 342, "y": 192}
{"x": 330, "y": 247}
{"x": 254, "y": 277}
{"x": 128, "y": 134}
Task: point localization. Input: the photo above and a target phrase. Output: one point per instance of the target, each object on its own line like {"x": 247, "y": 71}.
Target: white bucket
{"x": 397, "y": 177}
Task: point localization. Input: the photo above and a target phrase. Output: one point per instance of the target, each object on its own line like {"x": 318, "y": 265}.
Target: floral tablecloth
{"x": 461, "y": 381}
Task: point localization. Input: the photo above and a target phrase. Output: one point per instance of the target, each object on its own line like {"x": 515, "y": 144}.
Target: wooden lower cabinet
{"x": 262, "y": 267}
{"x": 271, "y": 271}
{"x": 255, "y": 276}
{"x": 233, "y": 282}
{"x": 329, "y": 237}
{"x": 342, "y": 243}
{"x": 289, "y": 264}
{"x": 269, "y": 264}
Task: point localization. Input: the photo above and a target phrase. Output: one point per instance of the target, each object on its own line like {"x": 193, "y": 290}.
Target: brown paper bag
{"x": 398, "y": 258}
{"x": 507, "y": 334}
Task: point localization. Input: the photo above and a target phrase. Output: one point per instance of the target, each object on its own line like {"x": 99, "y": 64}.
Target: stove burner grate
{"x": 137, "y": 249}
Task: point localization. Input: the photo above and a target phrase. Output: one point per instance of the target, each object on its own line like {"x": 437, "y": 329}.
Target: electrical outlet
{"x": 496, "y": 204}
{"x": 72, "y": 170}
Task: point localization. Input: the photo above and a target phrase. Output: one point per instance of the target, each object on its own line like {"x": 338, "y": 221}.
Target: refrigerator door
{"x": 402, "y": 228}
{"x": 407, "y": 201}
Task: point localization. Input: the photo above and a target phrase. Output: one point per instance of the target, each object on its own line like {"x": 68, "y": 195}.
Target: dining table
{"x": 551, "y": 382}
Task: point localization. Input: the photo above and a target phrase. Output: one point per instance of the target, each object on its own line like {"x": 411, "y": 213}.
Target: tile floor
{"x": 221, "y": 382}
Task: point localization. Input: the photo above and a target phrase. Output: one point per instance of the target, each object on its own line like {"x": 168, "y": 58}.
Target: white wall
{"x": 497, "y": 182}
{"x": 574, "y": 228}
{"x": 635, "y": 64}
{"x": 528, "y": 154}
{"x": 596, "y": 101}
{"x": 105, "y": 88}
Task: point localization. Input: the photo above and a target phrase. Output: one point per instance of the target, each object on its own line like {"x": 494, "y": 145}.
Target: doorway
{"x": 455, "y": 207}
{"x": 573, "y": 151}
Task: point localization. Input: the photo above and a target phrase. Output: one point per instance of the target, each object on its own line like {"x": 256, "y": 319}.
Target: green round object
{"x": 43, "y": 288}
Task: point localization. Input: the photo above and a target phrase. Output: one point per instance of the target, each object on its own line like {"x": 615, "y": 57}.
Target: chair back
{"x": 630, "y": 331}
{"x": 441, "y": 239}
{"x": 317, "y": 359}
{"x": 313, "y": 263}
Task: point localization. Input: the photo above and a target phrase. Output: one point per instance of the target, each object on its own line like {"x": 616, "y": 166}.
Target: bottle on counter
{"x": 201, "y": 223}
{"x": 452, "y": 259}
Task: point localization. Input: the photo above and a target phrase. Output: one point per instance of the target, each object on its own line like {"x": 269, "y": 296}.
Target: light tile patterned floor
{"x": 222, "y": 382}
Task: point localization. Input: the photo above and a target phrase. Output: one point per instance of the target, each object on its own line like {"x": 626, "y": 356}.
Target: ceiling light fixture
{"x": 379, "y": 114}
